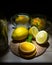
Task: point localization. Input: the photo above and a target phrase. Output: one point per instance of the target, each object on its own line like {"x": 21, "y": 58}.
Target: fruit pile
{"x": 36, "y": 32}
{"x": 21, "y": 33}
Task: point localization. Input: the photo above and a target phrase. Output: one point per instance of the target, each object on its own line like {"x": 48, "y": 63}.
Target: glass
{"x": 21, "y": 22}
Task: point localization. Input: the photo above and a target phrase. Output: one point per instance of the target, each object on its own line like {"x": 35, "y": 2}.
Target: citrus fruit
{"x": 28, "y": 56}
{"x": 33, "y": 30}
{"x": 41, "y": 37}
{"x": 22, "y": 19}
{"x": 27, "y": 47}
{"x": 20, "y": 33}
{"x": 38, "y": 22}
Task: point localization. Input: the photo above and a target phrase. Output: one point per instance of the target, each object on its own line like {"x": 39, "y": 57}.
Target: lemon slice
{"x": 41, "y": 37}
{"x": 33, "y": 30}
{"x": 28, "y": 56}
{"x": 27, "y": 47}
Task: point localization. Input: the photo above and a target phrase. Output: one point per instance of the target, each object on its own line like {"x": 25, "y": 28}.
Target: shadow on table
{"x": 45, "y": 45}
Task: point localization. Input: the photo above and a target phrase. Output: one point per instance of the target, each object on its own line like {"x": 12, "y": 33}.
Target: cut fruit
{"x": 27, "y": 47}
{"x": 41, "y": 37}
{"x": 28, "y": 56}
{"x": 33, "y": 30}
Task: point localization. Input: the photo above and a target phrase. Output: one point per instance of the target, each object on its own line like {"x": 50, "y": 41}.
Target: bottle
{"x": 3, "y": 35}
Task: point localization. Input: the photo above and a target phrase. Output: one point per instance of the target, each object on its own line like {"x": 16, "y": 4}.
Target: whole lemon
{"x": 20, "y": 33}
{"x": 22, "y": 19}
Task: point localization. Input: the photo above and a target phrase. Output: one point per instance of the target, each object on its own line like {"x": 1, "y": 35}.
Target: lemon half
{"x": 27, "y": 47}
{"x": 41, "y": 37}
{"x": 33, "y": 30}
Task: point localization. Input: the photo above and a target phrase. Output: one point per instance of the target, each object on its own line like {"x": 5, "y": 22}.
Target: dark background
{"x": 10, "y": 8}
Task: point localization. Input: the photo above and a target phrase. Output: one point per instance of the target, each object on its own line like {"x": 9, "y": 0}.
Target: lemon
{"x": 28, "y": 56}
{"x": 33, "y": 30}
{"x": 27, "y": 47}
{"x": 22, "y": 19}
{"x": 41, "y": 37}
{"x": 20, "y": 33}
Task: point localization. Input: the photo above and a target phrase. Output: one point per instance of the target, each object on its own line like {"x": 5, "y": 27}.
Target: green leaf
{"x": 29, "y": 39}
